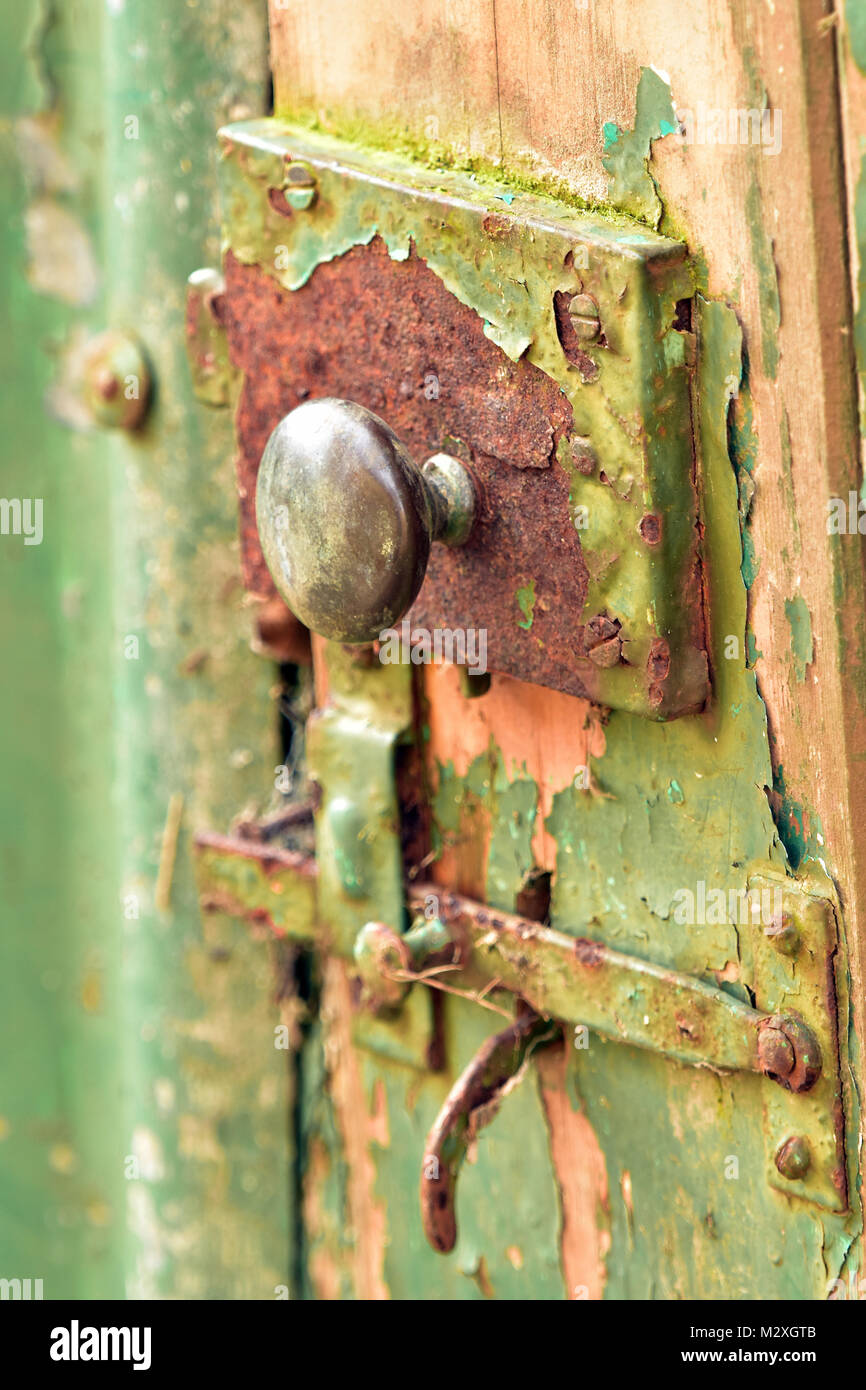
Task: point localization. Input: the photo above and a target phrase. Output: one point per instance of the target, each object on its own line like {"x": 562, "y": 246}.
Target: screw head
{"x": 299, "y": 185}
{"x": 299, "y": 174}
{"x": 583, "y": 312}
{"x": 381, "y": 957}
{"x": 775, "y": 1053}
{"x": 299, "y": 198}
{"x": 794, "y": 1158}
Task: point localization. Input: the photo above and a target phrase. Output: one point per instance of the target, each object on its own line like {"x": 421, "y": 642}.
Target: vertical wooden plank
{"x": 61, "y": 1178}
{"x": 207, "y": 1088}
{"x": 425, "y": 72}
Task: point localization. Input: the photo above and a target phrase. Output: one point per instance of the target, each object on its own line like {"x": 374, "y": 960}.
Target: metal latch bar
{"x": 572, "y": 979}
{"x": 579, "y": 981}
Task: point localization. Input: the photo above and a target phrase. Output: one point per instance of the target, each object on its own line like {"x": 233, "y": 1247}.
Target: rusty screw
{"x": 299, "y": 187}
{"x": 583, "y": 312}
{"x": 382, "y": 957}
{"x": 775, "y": 1053}
{"x": 793, "y": 1158}
{"x": 602, "y": 642}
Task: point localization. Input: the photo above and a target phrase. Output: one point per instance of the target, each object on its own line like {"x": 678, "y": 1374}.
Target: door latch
{"x": 560, "y": 979}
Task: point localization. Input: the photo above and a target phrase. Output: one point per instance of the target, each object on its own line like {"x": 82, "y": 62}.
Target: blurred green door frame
{"x": 144, "y": 1138}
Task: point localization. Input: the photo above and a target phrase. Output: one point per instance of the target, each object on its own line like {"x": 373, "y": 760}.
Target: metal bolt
{"x": 299, "y": 186}
{"x": 115, "y": 381}
{"x": 775, "y": 1053}
{"x": 299, "y": 175}
{"x": 793, "y": 1158}
{"x": 583, "y": 312}
{"x": 381, "y": 958}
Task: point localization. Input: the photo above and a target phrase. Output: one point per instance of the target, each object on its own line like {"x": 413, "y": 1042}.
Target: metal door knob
{"x": 346, "y": 519}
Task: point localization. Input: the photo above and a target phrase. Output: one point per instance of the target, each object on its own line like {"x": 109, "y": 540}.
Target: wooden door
{"x": 611, "y": 1172}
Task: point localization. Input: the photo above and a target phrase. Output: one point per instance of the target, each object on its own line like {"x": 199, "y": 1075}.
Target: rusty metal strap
{"x": 259, "y": 883}
{"x": 620, "y": 996}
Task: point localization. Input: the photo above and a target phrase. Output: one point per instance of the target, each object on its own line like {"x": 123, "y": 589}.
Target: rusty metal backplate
{"x": 441, "y": 302}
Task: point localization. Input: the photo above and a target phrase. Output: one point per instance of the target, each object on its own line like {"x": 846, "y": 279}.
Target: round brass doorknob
{"x": 346, "y": 519}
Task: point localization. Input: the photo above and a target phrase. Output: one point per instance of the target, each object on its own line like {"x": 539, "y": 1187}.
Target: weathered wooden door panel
{"x": 722, "y": 129}
{"x": 594, "y": 252}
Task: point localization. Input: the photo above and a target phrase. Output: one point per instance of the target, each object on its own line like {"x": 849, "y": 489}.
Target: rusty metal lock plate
{"x": 546, "y": 346}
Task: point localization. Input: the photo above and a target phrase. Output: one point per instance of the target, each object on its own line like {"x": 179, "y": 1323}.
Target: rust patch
{"x": 389, "y": 335}
{"x": 568, "y": 338}
{"x": 280, "y": 635}
{"x": 687, "y": 1029}
{"x": 651, "y": 528}
{"x": 589, "y": 953}
{"x": 659, "y": 662}
{"x": 277, "y": 200}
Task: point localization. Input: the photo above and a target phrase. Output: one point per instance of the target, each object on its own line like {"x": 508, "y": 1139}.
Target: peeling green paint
{"x": 682, "y": 803}
{"x": 500, "y": 1210}
{"x": 743, "y": 449}
{"x": 507, "y": 805}
{"x": 799, "y": 826}
{"x": 750, "y": 563}
{"x": 788, "y": 486}
{"x": 800, "y": 623}
{"x": 768, "y": 280}
{"x": 707, "y": 756}
{"x": 631, "y": 186}
{"x": 675, "y": 804}
{"x": 526, "y": 603}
